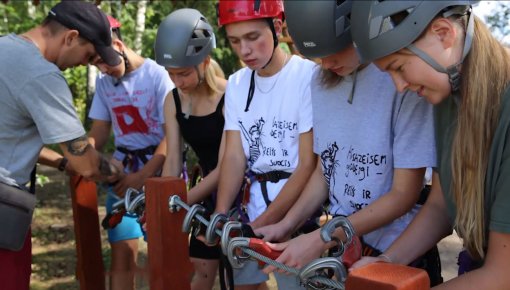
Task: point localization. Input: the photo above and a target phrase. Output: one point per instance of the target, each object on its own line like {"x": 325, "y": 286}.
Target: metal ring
{"x": 190, "y": 216}
{"x": 210, "y": 234}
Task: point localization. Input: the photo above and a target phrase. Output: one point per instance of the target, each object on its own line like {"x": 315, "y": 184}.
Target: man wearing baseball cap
{"x": 91, "y": 23}
{"x": 36, "y": 108}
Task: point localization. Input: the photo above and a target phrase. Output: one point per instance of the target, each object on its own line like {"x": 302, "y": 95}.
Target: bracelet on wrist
{"x": 386, "y": 258}
{"x": 62, "y": 165}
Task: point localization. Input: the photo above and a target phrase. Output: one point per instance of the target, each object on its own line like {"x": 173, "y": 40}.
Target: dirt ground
{"x": 54, "y": 255}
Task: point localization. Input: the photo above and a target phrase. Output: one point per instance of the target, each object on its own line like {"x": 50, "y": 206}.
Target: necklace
{"x": 276, "y": 79}
{"x": 190, "y": 106}
{"x": 188, "y": 113}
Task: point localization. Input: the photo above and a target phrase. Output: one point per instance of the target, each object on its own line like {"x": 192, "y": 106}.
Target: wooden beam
{"x": 169, "y": 264}
{"x": 89, "y": 266}
{"x": 385, "y": 276}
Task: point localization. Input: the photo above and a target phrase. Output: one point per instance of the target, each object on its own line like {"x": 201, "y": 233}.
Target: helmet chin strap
{"x": 127, "y": 65}
{"x": 200, "y": 77}
{"x": 452, "y": 71}
{"x": 275, "y": 40}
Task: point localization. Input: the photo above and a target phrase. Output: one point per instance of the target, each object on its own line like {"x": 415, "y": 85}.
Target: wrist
{"x": 386, "y": 258}
{"x": 62, "y": 164}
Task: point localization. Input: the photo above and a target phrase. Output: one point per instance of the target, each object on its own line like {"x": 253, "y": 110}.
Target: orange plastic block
{"x": 385, "y": 276}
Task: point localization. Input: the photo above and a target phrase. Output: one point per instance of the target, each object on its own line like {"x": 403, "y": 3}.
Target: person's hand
{"x": 69, "y": 170}
{"x": 117, "y": 170}
{"x": 278, "y": 232}
{"x": 298, "y": 251}
{"x": 133, "y": 180}
{"x": 367, "y": 260}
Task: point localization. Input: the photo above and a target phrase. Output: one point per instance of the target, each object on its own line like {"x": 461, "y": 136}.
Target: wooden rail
{"x": 89, "y": 267}
{"x": 169, "y": 265}
{"x": 384, "y": 276}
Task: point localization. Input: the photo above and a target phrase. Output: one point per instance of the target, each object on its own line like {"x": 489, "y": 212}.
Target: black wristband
{"x": 62, "y": 164}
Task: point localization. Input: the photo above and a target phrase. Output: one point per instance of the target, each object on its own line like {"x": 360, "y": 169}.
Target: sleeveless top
{"x": 202, "y": 133}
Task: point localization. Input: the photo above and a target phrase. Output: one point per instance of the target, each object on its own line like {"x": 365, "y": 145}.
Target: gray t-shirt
{"x": 360, "y": 144}
{"x": 36, "y": 107}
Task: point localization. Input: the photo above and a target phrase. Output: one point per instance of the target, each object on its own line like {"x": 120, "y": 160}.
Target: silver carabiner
{"x": 309, "y": 274}
{"x": 233, "y": 245}
{"x": 228, "y": 227}
{"x": 329, "y": 228}
{"x": 128, "y": 196}
{"x": 135, "y": 203}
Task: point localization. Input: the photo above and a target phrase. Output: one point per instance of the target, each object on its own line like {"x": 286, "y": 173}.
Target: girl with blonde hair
{"x": 446, "y": 54}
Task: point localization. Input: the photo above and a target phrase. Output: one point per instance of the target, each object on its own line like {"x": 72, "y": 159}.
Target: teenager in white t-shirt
{"x": 268, "y": 123}
{"x": 129, "y": 99}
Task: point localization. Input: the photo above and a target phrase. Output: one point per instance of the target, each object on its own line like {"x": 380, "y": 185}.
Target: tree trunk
{"x": 139, "y": 26}
{"x": 91, "y": 88}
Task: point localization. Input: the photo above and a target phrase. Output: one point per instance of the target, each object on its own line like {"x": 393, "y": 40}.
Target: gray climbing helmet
{"x": 319, "y": 28}
{"x": 380, "y": 28}
{"x": 184, "y": 39}
{"x": 375, "y": 32}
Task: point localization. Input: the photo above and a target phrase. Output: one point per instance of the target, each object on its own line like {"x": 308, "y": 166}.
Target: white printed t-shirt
{"x": 134, "y": 105}
{"x": 279, "y": 112}
{"x": 360, "y": 144}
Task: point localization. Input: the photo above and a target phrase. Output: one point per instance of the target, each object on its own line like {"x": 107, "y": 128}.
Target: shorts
{"x": 198, "y": 249}
{"x": 15, "y": 267}
{"x": 251, "y": 274}
{"x": 128, "y": 228}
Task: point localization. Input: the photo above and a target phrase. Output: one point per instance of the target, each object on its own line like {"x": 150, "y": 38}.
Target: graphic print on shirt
{"x": 129, "y": 120}
{"x": 134, "y": 112}
{"x": 253, "y": 137}
{"x": 352, "y": 176}
{"x": 362, "y": 168}
{"x": 329, "y": 166}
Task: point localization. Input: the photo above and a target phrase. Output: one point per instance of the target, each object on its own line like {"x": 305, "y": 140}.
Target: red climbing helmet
{"x": 230, "y": 11}
{"x": 114, "y": 23}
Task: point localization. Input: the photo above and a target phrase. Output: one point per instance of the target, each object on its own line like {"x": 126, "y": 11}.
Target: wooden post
{"x": 385, "y": 276}
{"x": 89, "y": 266}
{"x": 169, "y": 265}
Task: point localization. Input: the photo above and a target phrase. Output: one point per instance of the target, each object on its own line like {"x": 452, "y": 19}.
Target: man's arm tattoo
{"x": 78, "y": 146}
{"x": 104, "y": 166}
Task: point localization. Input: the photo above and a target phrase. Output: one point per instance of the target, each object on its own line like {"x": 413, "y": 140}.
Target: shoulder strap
{"x": 220, "y": 104}
{"x": 177, "y": 101}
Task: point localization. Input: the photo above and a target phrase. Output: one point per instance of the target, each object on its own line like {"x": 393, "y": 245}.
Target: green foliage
{"x": 20, "y": 16}
{"x": 41, "y": 179}
{"x": 498, "y": 20}
{"x": 77, "y": 80}
{"x": 154, "y": 15}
